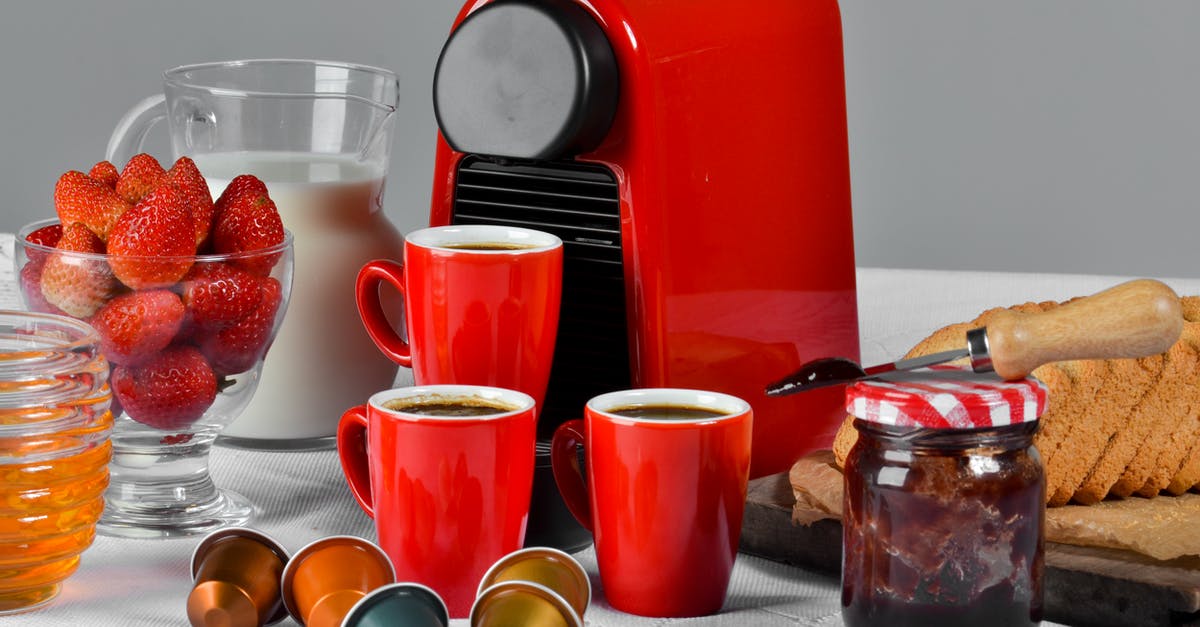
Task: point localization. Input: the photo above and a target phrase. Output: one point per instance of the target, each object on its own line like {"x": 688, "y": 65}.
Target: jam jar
{"x": 944, "y": 501}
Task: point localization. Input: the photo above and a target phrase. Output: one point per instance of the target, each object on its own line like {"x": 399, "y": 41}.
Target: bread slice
{"x": 1072, "y": 386}
{"x": 1163, "y": 403}
{"x": 1160, "y": 445}
{"x": 1126, "y": 383}
{"x": 1189, "y": 473}
{"x": 1177, "y": 446}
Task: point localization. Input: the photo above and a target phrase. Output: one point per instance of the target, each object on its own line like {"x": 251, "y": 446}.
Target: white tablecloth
{"x": 303, "y": 496}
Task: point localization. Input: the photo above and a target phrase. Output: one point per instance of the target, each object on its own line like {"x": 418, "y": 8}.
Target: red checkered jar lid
{"x": 946, "y": 398}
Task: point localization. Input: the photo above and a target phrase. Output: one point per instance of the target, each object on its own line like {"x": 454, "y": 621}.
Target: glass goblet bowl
{"x": 185, "y": 338}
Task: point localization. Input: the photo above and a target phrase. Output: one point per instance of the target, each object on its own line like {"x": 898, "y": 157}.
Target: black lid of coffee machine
{"x": 532, "y": 79}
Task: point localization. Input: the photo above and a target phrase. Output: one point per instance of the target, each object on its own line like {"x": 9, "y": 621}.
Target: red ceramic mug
{"x": 481, "y": 306}
{"x": 664, "y": 494}
{"x": 449, "y": 493}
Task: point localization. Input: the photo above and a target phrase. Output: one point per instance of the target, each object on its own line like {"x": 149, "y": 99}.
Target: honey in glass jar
{"x": 54, "y": 452}
{"x": 944, "y": 501}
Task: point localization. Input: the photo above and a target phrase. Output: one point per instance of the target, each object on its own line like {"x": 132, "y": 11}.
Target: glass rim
{"x": 176, "y": 77}
{"x": 88, "y": 336}
{"x": 206, "y": 258}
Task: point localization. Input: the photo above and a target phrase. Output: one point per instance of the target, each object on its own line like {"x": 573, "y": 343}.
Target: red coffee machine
{"x": 692, "y": 156}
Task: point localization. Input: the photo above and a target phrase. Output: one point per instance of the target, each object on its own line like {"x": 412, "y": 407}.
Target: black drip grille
{"x": 578, "y": 203}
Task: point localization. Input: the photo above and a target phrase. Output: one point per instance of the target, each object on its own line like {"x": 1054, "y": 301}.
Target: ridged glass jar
{"x": 54, "y": 452}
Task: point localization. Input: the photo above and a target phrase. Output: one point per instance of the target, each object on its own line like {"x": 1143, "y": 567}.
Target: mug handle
{"x": 366, "y": 293}
{"x": 564, "y": 462}
{"x": 127, "y": 138}
{"x": 352, "y": 453}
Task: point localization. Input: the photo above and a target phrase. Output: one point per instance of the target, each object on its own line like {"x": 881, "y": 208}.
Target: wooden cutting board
{"x": 1083, "y": 585}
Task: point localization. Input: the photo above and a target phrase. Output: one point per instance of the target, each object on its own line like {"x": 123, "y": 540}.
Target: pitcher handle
{"x": 352, "y": 453}
{"x": 564, "y": 463}
{"x": 127, "y": 137}
{"x": 366, "y": 292}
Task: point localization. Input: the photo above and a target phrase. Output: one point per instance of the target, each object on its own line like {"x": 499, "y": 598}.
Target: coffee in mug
{"x": 481, "y": 306}
{"x": 688, "y": 454}
{"x": 489, "y": 246}
{"x": 448, "y": 406}
{"x": 666, "y": 412}
{"x": 449, "y": 489}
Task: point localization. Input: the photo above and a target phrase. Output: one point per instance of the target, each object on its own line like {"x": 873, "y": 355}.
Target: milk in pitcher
{"x": 322, "y": 361}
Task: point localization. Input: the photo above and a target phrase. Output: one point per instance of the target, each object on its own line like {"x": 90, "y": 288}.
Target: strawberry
{"x": 78, "y": 198}
{"x": 140, "y": 176}
{"x": 191, "y": 183}
{"x": 248, "y": 223}
{"x": 105, "y": 173}
{"x": 241, "y": 185}
{"x": 47, "y": 236}
{"x": 219, "y": 294}
{"x": 78, "y": 284}
{"x": 31, "y": 288}
{"x": 170, "y": 391}
{"x": 159, "y": 226}
{"x": 31, "y": 272}
{"x": 134, "y": 327}
{"x": 237, "y": 347}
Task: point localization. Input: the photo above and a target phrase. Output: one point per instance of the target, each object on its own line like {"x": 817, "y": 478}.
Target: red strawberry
{"x": 31, "y": 288}
{"x": 239, "y": 346}
{"x": 78, "y": 198}
{"x": 31, "y": 272}
{"x": 78, "y": 284}
{"x": 134, "y": 327}
{"x": 241, "y": 185}
{"x": 190, "y": 182}
{"x": 249, "y": 223}
{"x": 170, "y": 391}
{"x": 47, "y": 236}
{"x": 218, "y": 294}
{"x": 159, "y": 226}
{"x": 106, "y": 173}
{"x": 140, "y": 176}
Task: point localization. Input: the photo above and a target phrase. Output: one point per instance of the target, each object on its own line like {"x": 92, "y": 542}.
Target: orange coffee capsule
{"x": 327, "y": 577}
{"x": 522, "y": 603}
{"x": 235, "y": 575}
{"x": 546, "y": 566}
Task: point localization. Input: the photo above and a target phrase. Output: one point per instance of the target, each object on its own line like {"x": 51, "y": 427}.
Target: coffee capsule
{"x": 522, "y": 604}
{"x": 399, "y": 605}
{"x": 235, "y": 575}
{"x": 328, "y": 576}
{"x": 546, "y": 566}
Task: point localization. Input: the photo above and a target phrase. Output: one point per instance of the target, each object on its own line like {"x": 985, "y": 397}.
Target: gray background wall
{"x": 1029, "y": 135}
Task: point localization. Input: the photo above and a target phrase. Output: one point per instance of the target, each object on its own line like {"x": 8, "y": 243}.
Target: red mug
{"x": 664, "y": 494}
{"x": 481, "y": 306}
{"x": 449, "y": 493}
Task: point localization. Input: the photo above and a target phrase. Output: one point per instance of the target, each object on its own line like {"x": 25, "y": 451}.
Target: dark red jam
{"x": 943, "y": 527}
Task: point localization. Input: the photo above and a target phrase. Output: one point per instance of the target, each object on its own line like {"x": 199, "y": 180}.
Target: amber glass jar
{"x": 942, "y": 524}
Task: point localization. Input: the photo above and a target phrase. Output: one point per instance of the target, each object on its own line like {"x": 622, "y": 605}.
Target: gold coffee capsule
{"x": 328, "y": 577}
{"x": 235, "y": 575}
{"x": 522, "y": 604}
{"x": 546, "y": 566}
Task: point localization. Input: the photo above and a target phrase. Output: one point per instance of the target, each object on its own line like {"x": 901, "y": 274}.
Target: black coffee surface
{"x": 666, "y": 412}
{"x": 489, "y": 246}
{"x": 450, "y": 408}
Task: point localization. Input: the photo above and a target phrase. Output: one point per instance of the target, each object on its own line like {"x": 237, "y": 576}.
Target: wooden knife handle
{"x": 1134, "y": 319}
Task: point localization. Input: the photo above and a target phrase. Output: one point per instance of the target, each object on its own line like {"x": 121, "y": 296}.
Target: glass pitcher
{"x": 318, "y": 134}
